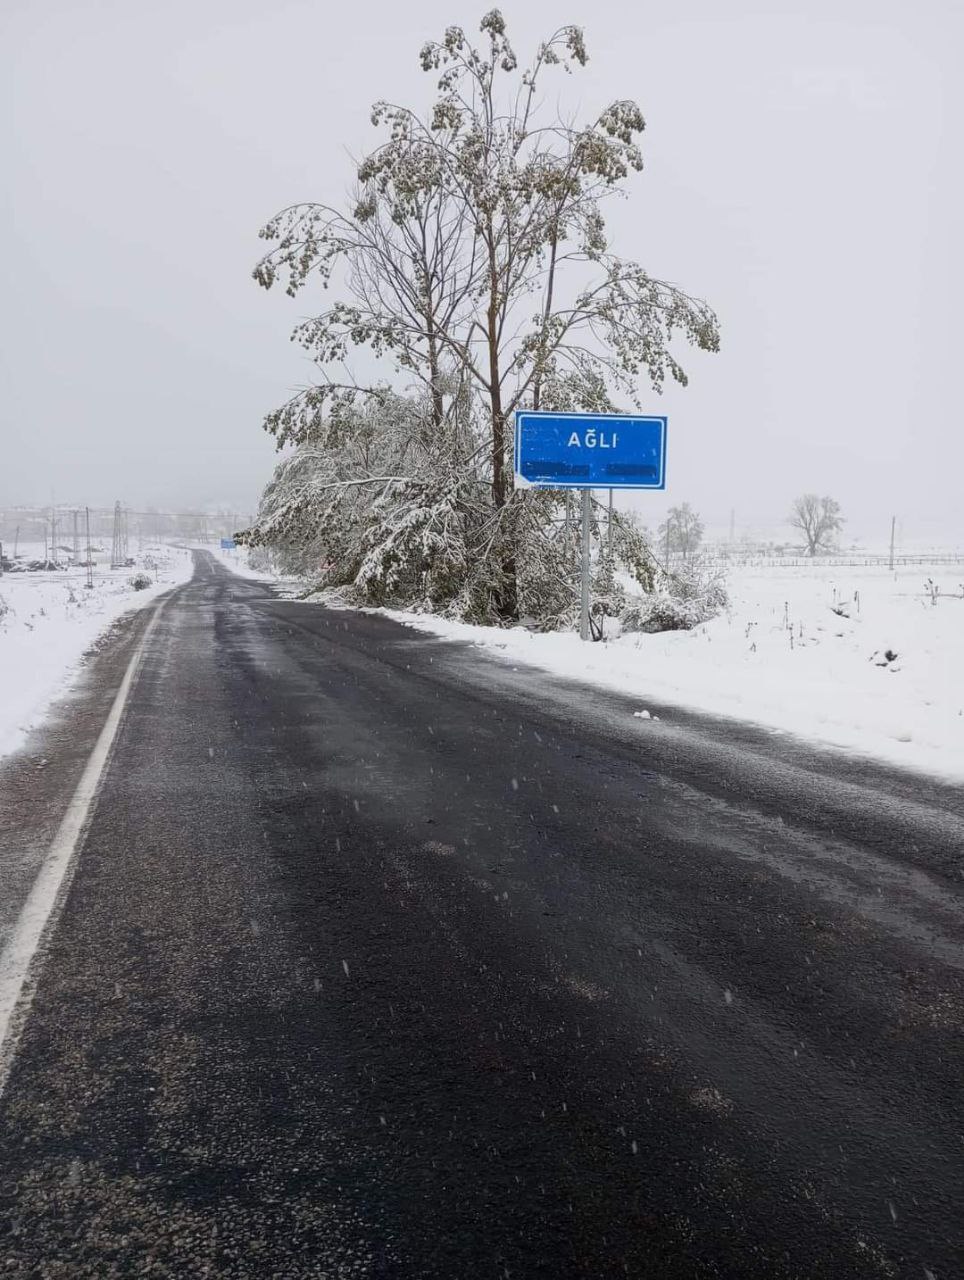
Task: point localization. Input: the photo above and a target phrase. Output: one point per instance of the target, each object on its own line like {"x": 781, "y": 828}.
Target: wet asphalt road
{"x": 383, "y": 959}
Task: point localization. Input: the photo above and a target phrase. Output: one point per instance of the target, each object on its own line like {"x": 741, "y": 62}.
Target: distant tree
{"x": 682, "y": 531}
{"x": 819, "y": 520}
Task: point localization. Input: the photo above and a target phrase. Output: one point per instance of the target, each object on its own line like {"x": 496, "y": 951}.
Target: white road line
{"x": 20, "y": 960}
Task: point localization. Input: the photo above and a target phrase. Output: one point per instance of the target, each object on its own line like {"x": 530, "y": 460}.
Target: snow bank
{"x": 52, "y": 619}
{"x": 863, "y": 659}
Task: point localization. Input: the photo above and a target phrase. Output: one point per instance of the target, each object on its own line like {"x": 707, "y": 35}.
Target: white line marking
{"x": 39, "y": 915}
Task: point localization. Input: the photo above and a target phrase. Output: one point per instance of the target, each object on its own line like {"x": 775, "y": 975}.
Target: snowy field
{"x": 50, "y": 620}
{"x": 800, "y": 650}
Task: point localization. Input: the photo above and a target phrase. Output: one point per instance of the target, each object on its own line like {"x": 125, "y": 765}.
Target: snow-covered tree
{"x": 472, "y": 262}
{"x": 819, "y": 520}
{"x": 373, "y": 506}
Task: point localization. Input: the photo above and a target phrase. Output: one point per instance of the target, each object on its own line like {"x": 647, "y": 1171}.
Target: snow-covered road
{"x": 382, "y": 958}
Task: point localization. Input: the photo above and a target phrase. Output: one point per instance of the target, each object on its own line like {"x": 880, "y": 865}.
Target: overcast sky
{"x": 803, "y": 173}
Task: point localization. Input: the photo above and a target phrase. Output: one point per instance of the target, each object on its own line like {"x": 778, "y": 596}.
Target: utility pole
{"x": 76, "y": 537}
{"x": 16, "y": 541}
{"x": 118, "y": 548}
{"x": 609, "y": 527}
{"x": 90, "y": 562}
{"x": 893, "y": 530}
{"x": 584, "y": 602}
{"x": 115, "y": 538}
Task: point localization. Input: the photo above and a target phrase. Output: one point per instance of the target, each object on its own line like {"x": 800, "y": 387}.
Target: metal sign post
{"x": 589, "y": 451}
{"x": 584, "y": 601}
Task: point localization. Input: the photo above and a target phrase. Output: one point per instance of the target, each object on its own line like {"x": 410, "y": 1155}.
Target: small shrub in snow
{"x": 259, "y": 559}
{"x": 680, "y": 601}
{"x": 885, "y": 659}
{"x": 140, "y": 581}
{"x": 4, "y": 608}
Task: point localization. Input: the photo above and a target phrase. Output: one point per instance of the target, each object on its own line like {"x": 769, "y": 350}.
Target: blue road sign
{"x": 228, "y": 544}
{"x": 589, "y": 451}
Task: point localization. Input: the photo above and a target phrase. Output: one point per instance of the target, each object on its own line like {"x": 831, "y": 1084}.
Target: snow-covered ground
{"x": 782, "y": 657}
{"x": 52, "y": 619}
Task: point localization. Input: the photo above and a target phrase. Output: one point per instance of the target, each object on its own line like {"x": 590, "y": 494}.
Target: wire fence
{"x": 757, "y": 561}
